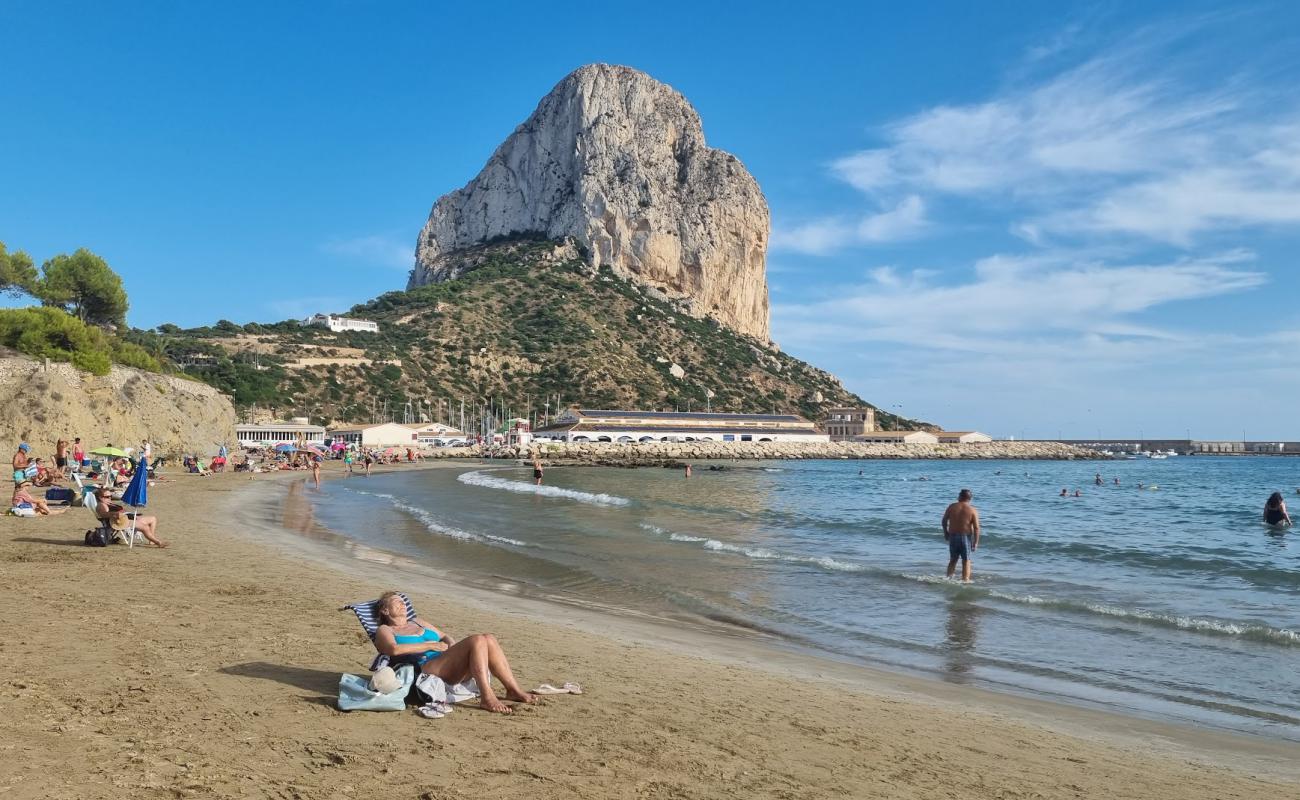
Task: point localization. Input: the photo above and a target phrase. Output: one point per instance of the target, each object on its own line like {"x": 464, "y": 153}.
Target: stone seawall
{"x": 659, "y": 453}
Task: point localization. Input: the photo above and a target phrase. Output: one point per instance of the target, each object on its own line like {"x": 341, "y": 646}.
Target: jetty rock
{"x": 616, "y": 161}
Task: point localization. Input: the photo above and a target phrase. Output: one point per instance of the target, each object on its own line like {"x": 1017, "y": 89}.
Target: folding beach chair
{"x": 368, "y": 615}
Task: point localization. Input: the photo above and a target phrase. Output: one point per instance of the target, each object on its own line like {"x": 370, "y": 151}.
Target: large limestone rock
{"x": 617, "y": 161}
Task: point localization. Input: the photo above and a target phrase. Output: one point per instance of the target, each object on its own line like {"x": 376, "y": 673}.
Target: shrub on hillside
{"x": 54, "y": 334}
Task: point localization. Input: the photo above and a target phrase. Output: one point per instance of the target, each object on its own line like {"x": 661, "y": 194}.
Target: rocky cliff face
{"x": 41, "y": 403}
{"x": 617, "y": 161}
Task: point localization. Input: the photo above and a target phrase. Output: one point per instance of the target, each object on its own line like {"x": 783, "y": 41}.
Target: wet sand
{"x": 210, "y": 670}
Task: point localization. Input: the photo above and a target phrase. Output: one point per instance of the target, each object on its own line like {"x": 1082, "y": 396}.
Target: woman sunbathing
{"x": 23, "y": 499}
{"x": 478, "y": 656}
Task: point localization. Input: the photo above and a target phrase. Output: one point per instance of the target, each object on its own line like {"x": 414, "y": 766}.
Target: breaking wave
{"x": 478, "y": 478}
{"x": 434, "y": 526}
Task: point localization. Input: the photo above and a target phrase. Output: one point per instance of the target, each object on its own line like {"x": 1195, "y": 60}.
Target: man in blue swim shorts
{"x": 961, "y": 529}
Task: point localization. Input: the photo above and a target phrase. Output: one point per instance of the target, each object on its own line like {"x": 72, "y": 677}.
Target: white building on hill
{"x": 338, "y": 324}
{"x": 380, "y": 434}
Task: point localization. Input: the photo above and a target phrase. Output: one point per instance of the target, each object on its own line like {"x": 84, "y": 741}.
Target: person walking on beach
{"x": 347, "y": 460}
{"x": 370, "y": 459}
{"x": 961, "y": 529}
{"x": 537, "y": 470}
{"x": 1275, "y": 511}
{"x": 688, "y": 470}
{"x": 315, "y": 470}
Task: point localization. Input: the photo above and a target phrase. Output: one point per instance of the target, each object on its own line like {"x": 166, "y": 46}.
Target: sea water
{"x": 1171, "y": 601}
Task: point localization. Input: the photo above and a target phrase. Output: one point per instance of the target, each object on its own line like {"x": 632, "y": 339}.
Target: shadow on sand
{"x": 313, "y": 680}
{"x": 61, "y": 542}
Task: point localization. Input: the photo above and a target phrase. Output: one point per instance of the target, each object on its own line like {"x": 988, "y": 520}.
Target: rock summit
{"x": 617, "y": 161}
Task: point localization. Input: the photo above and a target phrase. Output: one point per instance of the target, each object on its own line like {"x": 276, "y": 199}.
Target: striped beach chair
{"x": 368, "y": 616}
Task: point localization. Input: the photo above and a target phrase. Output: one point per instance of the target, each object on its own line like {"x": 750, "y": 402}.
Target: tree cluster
{"x": 82, "y": 284}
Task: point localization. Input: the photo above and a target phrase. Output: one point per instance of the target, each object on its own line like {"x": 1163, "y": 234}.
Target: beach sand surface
{"x": 210, "y": 669}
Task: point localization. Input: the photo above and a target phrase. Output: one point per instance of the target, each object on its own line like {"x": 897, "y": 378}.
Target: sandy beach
{"x": 210, "y": 669}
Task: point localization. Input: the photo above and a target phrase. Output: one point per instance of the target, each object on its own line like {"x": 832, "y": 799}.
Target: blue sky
{"x": 1034, "y": 219}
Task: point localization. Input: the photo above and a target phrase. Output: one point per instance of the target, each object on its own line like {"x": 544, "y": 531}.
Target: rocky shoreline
{"x": 666, "y": 453}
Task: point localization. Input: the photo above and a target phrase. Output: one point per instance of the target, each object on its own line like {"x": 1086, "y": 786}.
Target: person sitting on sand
{"x": 478, "y": 656}
{"x": 1275, "y": 511}
{"x": 43, "y": 475}
{"x": 23, "y": 499}
{"x": 106, "y": 510}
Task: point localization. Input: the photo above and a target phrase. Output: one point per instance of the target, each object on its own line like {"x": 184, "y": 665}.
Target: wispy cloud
{"x": 1047, "y": 304}
{"x": 379, "y": 250}
{"x": 1126, "y": 143}
{"x": 904, "y": 221}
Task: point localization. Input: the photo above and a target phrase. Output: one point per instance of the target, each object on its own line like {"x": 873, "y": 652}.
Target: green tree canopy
{"x": 84, "y": 285}
{"x": 17, "y": 273}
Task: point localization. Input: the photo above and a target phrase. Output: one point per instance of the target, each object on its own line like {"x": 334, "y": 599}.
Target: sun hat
{"x": 385, "y": 680}
{"x": 24, "y": 446}
{"x": 119, "y": 521}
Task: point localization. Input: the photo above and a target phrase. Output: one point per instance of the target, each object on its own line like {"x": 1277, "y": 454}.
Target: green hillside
{"x": 519, "y": 329}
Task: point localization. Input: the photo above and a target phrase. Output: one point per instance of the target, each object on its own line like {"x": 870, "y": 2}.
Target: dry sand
{"x": 210, "y": 669}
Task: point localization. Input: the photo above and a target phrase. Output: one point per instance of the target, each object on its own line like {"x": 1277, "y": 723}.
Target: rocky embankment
{"x": 43, "y": 402}
{"x": 660, "y": 453}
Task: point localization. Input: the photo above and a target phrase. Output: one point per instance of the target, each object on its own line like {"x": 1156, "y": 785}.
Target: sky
{"x": 1032, "y": 219}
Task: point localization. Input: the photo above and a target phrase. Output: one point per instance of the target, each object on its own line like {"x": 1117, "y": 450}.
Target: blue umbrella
{"x": 137, "y": 493}
{"x": 285, "y": 448}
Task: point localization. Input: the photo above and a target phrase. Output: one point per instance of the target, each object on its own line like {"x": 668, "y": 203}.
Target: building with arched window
{"x": 637, "y": 427}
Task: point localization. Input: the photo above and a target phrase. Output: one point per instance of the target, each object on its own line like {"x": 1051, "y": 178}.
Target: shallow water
{"x": 1175, "y": 602}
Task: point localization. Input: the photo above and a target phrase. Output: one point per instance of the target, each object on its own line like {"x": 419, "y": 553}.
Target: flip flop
{"x": 568, "y": 688}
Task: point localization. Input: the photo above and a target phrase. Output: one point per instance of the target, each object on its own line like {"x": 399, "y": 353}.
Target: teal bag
{"x": 355, "y": 693}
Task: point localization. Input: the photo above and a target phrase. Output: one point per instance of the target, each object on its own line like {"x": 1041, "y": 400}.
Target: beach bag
{"x": 355, "y": 693}
{"x": 58, "y": 494}
{"x": 97, "y": 537}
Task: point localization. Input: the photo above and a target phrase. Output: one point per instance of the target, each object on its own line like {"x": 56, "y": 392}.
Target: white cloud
{"x": 1015, "y": 305}
{"x": 378, "y": 250}
{"x": 1123, "y": 144}
{"x": 904, "y": 221}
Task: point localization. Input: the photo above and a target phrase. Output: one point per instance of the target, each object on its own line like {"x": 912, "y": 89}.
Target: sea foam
{"x": 482, "y": 479}
{"x": 434, "y": 526}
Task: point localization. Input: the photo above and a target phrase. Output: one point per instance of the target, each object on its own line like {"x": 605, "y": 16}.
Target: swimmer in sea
{"x": 1098, "y": 479}
{"x": 1275, "y": 511}
{"x": 1065, "y": 493}
{"x": 1078, "y": 493}
{"x": 537, "y": 470}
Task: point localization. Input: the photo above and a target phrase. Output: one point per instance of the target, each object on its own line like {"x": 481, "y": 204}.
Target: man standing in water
{"x": 961, "y": 529}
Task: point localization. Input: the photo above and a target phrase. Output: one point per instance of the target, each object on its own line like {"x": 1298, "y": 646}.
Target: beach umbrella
{"x": 338, "y": 446}
{"x": 285, "y": 448}
{"x": 137, "y": 493}
{"x": 113, "y": 452}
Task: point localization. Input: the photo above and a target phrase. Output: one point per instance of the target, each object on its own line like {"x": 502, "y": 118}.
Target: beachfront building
{"x": 630, "y": 427}
{"x": 898, "y": 437}
{"x": 519, "y": 432}
{"x": 296, "y": 430}
{"x": 434, "y": 433}
{"x": 842, "y": 424}
{"x": 962, "y": 437}
{"x": 339, "y": 324}
{"x": 380, "y": 434}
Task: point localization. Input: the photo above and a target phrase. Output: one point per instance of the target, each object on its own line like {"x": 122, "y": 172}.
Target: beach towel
{"x": 355, "y": 693}
{"x": 369, "y": 618}
{"x": 439, "y": 697}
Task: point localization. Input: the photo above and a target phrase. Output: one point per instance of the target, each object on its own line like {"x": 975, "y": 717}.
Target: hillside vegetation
{"x": 529, "y": 323}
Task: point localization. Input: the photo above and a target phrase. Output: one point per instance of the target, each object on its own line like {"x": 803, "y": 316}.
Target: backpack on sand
{"x": 97, "y": 537}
